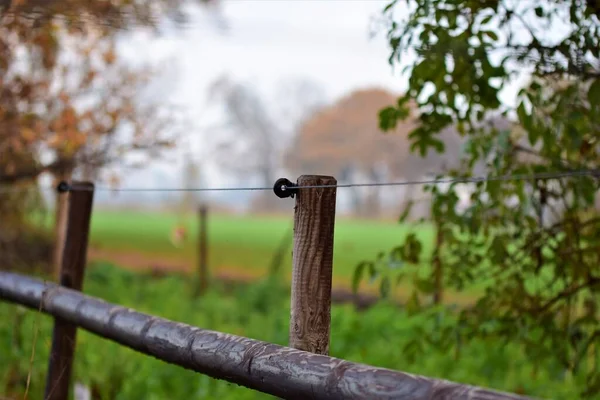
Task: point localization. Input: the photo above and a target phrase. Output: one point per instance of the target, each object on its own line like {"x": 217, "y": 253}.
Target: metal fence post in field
{"x": 314, "y": 220}
{"x": 71, "y": 276}
{"x": 202, "y": 285}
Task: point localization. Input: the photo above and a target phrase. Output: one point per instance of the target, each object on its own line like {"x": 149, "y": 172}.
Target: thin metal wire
{"x": 537, "y": 176}
{"x": 105, "y": 189}
{"x": 517, "y": 177}
{"x": 9, "y": 190}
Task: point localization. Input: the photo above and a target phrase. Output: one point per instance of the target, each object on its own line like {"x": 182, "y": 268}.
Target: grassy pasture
{"x": 261, "y": 311}
{"x": 247, "y": 242}
{"x": 243, "y": 246}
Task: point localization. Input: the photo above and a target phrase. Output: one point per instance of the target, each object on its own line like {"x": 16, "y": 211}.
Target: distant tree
{"x": 192, "y": 178}
{"x": 67, "y": 102}
{"x": 256, "y": 133}
{"x": 253, "y": 146}
{"x": 344, "y": 140}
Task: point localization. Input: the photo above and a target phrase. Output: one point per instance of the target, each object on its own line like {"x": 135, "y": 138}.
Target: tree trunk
{"x": 60, "y": 221}
{"x": 265, "y": 201}
{"x": 357, "y": 204}
{"x": 372, "y": 203}
{"x": 372, "y": 198}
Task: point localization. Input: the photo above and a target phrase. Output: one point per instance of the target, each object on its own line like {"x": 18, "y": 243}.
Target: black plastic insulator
{"x": 63, "y": 187}
{"x": 284, "y": 188}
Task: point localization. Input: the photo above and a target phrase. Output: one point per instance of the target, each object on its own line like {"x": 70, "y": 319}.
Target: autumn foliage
{"x": 345, "y": 140}
{"x": 69, "y": 104}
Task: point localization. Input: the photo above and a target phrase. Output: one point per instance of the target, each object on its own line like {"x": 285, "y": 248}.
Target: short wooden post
{"x": 60, "y": 229}
{"x": 71, "y": 276}
{"x": 438, "y": 272}
{"x": 202, "y": 250}
{"x": 314, "y": 221}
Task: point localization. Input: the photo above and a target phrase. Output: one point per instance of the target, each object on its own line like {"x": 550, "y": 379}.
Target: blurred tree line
{"x": 531, "y": 247}
{"x": 301, "y": 133}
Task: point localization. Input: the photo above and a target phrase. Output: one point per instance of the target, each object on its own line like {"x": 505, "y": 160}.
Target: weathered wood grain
{"x": 71, "y": 276}
{"x": 314, "y": 220}
{"x": 280, "y": 371}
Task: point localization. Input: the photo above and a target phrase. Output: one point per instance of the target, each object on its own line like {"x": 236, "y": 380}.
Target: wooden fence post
{"x": 314, "y": 220}
{"x": 71, "y": 276}
{"x": 202, "y": 250}
{"x": 60, "y": 225}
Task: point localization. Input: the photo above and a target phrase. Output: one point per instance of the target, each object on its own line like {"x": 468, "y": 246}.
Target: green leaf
{"x": 373, "y": 273}
{"x": 491, "y": 34}
{"x": 384, "y": 287}
{"x": 526, "y": 121}
{"x": 390, "y": 6}
{"x": 413, "y": 350}
{"x": 594, "y": 94}
{"x": 388, "y": 119}
{"x": 412, "y": 249}
{"x": 487, "y": 19}
{"x": 406, "y": 212}
{"x": 539, "y": 11}
{"x": 425, "y": 285}
{"x": 357, "y": 277}
{"x": 399, "y": 279}
{"x": 403, "y": 101}
{"x": 438, "y": 145}
{"x": 452, "y": 17}
{"x": 413, "y": 305}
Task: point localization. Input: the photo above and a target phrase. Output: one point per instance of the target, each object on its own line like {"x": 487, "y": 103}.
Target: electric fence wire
{"x": 456, "y": 180}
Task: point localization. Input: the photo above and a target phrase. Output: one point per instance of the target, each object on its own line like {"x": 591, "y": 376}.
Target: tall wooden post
{"x": 202, "y": 250}
{"x": 314, "y": 221}
{"x": 72, "y": 270}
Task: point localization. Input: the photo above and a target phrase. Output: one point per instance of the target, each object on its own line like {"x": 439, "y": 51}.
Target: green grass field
{"x": 241, "y": 242}
{"x": 246, "y": 244}
{"x": 259, "y": 311}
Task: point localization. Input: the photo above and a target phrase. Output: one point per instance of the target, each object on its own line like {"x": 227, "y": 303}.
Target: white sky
{"x": 267, "y": 42}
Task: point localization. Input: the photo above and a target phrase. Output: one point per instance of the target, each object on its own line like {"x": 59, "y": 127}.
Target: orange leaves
{"x": 66, "y": 136}
{"x": 67, "y": 143}
{"x": 54, "y": 141}
{"x": 46, "y": 41}
{"x": 28, "y": 135}
{"x": 110, "y": 56}
{"x": 68, "y": 117}
{"x": 17, "y": 3}
{"x": 65, "y": 121}
{"x": 64, "y": 97}
{"x": 96, "y": 94}
{"x": 89, "y": 78}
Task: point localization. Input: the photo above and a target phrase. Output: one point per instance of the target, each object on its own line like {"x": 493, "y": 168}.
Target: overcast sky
{"x": 267, "y": 42}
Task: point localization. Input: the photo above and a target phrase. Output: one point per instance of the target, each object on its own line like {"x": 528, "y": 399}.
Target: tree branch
{"x": 32, "y": 172}
{"x": 567, "y": 293}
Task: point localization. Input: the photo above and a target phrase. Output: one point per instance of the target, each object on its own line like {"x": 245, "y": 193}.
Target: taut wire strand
{"x": 536, "y": 176}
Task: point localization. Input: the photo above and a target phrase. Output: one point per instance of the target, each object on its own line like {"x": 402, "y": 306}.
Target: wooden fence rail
{"x": 281, "y": 371}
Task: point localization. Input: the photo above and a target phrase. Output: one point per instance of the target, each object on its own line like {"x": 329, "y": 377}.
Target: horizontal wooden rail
{"x": 281, "y": 371}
